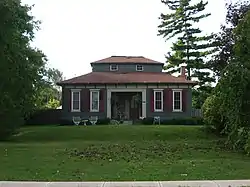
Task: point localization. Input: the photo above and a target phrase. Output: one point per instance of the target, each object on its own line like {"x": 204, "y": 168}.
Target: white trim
{"x": 91, "y": 95}
{"x": 142, "y": 68}
{"x": 76, "y": 90}
{"x": 158, "y": 89}
{"x": 161, "y": 91}
{"x": 111, "y": 69}
{"x": 79, "y": 92}
{"x": 180, "y": 91}
{"x": 139, "y": 85}
{"x": 144, "y": 94}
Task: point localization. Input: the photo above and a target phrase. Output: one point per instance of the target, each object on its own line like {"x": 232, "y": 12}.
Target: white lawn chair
{"x": 157, "y": 120}
{"x": 76, "y": 120}
{"x": 93, "y": 119}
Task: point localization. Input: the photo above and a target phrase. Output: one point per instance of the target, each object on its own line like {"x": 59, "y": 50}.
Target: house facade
{"x": 127, "y": 87}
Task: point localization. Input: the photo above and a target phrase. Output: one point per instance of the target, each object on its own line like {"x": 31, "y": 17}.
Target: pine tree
{"x": 191, "y": 47}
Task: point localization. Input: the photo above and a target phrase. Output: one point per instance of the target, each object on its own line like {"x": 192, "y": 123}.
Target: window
{"x": 177, "y": 100}
{"x": 75, "y": 100}
{"x": 139, "y": 68}
{"x": 94, "y": 101}
{"x": 158, "y": 100}
{"x": 113, "y": 67}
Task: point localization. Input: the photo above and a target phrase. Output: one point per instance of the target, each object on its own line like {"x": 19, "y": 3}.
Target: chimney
{"x": 183, "y": 72}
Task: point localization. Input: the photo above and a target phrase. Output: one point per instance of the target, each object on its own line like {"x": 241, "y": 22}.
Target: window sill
{"x": 75, "y": 110}
{"x": 177, "y": 111}
{"x": 94, "y": 110}
{"x": 158, "y": 110}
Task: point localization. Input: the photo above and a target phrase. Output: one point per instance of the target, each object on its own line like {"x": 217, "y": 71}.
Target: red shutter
{"x": 184, "y": 100}
{"x": 165, "y": 100}
{"x": 82, "y": 99}
{"x": 69, "y": 93}
{"x": 170, "y": 99}
{"x": 88, "y": 99}
{"x": 152, "y": 100}
{"x": 101, "y": 100}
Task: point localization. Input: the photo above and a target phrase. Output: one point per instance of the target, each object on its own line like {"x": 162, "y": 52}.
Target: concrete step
{"x": 127, "y": 122}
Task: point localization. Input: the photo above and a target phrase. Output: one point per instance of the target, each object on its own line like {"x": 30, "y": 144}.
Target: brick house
{"x": 129, "y": 86}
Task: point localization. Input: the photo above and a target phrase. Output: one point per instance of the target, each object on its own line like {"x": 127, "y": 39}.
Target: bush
{"x": 212, "y": 116}
{"x": 104, "y": 121}
{"x": 175, "y": 121}
{"x": 44, "y": 117}
{"x": 10, "y": 123}
{"x": 148, "y": 121}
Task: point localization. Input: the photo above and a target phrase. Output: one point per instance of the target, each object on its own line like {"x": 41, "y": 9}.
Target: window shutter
{"x": 69, "y": 96}
{"x": 165, "y": 100}
{"x": 88, "y": 99}
{"x": 82, "y": 94}
{"x": 152, "y": 100}
{"x": 184, "y": 100}
{"x": 101, "y": 100}
{"x": 169, "y": 99}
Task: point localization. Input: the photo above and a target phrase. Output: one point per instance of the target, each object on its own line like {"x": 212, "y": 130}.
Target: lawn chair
{"x": 76, "y": 120}
{"x": 93, "y": 119}
{"x": 157, "y": 120}
{"x": 114, "y": 122}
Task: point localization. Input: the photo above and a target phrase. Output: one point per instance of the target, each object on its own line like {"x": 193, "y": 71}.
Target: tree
{"x": 191, "y": 46}
{"x": 22, "y": 67}
{"x": 233, "y": 88}
{"x": 225, "y": 39}
{"x": 48, "y": 92}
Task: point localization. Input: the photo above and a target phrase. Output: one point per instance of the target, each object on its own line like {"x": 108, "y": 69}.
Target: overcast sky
{"x": 76, "y": 32}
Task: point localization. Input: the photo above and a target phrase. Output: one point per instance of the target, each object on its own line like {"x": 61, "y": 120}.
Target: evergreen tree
{"x": 191, "y": 47}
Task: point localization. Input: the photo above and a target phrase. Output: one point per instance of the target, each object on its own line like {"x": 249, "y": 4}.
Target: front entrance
{"x": 126, "y": 104}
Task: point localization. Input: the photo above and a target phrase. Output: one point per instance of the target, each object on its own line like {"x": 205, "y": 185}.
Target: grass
{"x": 118, "y": 153}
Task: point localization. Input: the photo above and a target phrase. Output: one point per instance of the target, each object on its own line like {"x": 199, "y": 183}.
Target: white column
{"x": 144, "y": 106}
{"x": 108, "y": 103}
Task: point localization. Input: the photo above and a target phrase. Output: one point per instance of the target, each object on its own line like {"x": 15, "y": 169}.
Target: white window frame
{"x": 180, "y": 91}
{"x": 113, "y": 69}
{"x": 161, "y": 91}
{"x": 91, "y": 100}
{"x": 138, "y": 65}
{"x": 79, "y": 102}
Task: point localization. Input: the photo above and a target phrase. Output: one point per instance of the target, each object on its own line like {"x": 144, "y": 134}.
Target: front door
{"x": 127, "y": 110}
{"x": 134, "y": 109}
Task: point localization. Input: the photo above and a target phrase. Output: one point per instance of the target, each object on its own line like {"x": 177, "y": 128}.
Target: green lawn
{"x": 118, "y": 153}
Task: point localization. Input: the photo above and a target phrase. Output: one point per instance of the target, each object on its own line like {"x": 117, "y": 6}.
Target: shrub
{"x": 212, "y": 116}
{"x": 175, "y": 121}
{"x": 10, "y": 123}
{"x": 44, "y": 117}
{"x": 148, "y": 121}
{"x": 104, "y": 121}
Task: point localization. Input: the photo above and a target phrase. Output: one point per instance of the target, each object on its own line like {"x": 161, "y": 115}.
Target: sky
{"x": 74, "y": 33}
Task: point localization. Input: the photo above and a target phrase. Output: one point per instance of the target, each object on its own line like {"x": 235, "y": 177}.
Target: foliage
{"x": 22, "y": 67}
{"x": 115, "y": 153}
{"x": 191, "y": 47}
{"x": 233, "y": 89}
{"x": 225, "y": 38}
{"x": 53, "y": 104}
{"x": 44, "y": 117}
{"x": 213, "y": 120}
{"x": 105, "y": 121}
{"x": 175, "y": 121}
